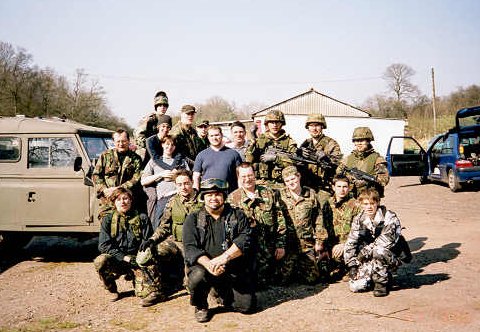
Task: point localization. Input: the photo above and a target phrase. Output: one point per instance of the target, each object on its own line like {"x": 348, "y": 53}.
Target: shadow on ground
{"x": 410, "y": 275}
{"x": 51, "y": 249}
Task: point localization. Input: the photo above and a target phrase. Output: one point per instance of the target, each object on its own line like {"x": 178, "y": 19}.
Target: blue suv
{"x": 452, "y": 157}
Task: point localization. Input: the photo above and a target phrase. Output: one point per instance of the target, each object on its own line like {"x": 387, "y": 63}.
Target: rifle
{"x": 321, "y": 159}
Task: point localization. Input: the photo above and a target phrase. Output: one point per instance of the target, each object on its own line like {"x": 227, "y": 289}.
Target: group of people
{"x": 187, "y": 210}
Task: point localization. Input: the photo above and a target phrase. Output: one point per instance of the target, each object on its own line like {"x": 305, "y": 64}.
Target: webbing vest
{"x": 119, "y": 224}
{"x": 179, "y": 213}
{"x": 366, "y": 164}
{"x": 231, "y": 222}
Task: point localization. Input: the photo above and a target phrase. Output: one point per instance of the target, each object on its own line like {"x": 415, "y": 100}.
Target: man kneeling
{"x": 122, "y": 232}
{"x": 217, "y": 242}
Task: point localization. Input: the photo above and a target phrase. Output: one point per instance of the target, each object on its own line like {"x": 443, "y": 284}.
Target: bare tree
{"x": 398, "y": 77}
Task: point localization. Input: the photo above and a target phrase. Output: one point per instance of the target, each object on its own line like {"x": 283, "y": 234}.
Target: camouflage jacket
{"x": 265, "y": 215}
{"x": 305, "y": 220}
{"x": 187, "y": 140}
{"x": 315, "y": 176}
{"x": 367, "y": 236}
{"x": 338, "y": 217}
{"x": 146, "y": 127}
{"x": 370, "y": 162}
{"x": 271, "y": 171}
{"x": 171, "y": 222}
{"x": 110, "y": 173}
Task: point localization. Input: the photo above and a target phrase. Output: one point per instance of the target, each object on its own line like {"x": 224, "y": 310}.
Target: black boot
{"x": 380, "y": 290}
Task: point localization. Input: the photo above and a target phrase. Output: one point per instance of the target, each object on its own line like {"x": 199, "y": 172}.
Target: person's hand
{"x": 166, "y": 174}
{"x": 337, "y": 250}
{"x": 109, "y": 191}
{"x": 279, "y": 253}
{"x": 217, "y": 264}
{"x": 268, "y": 157}
{"x": 150, "y": 243}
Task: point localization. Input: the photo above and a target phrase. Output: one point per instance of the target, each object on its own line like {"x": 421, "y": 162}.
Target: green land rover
{"x": 45, "y": 185}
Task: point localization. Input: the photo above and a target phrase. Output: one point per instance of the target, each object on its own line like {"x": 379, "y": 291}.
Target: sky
{"x": 246, "y": 51}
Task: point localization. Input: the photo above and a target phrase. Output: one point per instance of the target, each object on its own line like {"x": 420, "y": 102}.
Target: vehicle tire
{"x": 14, "y": 240}
{"x": 453, "y": 183}
{"x": 423, "y": 179}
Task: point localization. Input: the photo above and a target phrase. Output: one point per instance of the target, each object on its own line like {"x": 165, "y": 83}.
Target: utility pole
{"x": 433, "y": 104}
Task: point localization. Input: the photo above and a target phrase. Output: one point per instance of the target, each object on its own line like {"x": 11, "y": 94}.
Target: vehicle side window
{"x": 447, "y": 147}
{"x": 437, "y": 148}
{"x": 10, "y": 148}
{"x": 58, "y": 152}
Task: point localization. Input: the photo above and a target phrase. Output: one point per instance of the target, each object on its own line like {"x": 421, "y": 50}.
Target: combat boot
{"x": 152, "y": 298}
{"x": 380, "y": 290}
{"x": 201, "y": 315}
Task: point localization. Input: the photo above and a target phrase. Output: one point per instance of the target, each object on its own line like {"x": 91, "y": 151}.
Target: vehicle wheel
{"x": 453, "y": 183}
{"x": 14, "y": 240}
{"x": 423, "y": 179}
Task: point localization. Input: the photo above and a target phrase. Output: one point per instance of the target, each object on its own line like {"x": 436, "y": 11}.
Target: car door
{"x": 55, "y": 197}
{"x": 405, "y": 157}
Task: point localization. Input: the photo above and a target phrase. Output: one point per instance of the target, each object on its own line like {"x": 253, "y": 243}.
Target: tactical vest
{"x": 271, "y": 171}
{"x": 118, "y": 224}
{"x": 366, "y": 164}
{"x": 179, "y": 213}
{"x": 231, "y": 222}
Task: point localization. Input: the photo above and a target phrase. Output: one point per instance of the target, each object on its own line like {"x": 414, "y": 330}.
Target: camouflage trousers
{"x": 145, "y": 279}
{"x": 299, "y": 267}
{"x": 265, "y": 266}
{"x": 170, "y": 261}
{"x": 378, "y": 268}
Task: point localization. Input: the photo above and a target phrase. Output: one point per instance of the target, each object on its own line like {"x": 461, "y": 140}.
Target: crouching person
{"x": 372, "y": 250}
{"x": 122, "y": 232}
{"x": 217, "y": 242}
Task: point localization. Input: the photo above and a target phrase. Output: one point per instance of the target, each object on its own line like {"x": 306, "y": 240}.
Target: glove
{"x": 268, "y": 157}
{"x": 150, "y": 243}
{"x": 353, "y": 272}
{"x": 131, "y": 260}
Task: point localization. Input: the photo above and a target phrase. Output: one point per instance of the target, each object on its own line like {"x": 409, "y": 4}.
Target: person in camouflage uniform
{"x": 316, "y": 176}
{"x": 371, "y": 252}
{"x": 267, "y": 164}
{"x": 148, "y": 125}
{"x": 339, "y": 210}
{"x": 117, "y": 167}
{"x": 366, "y": 159}
{"x": 185, "y": 135}
{"x": 202, "y": 131}
{"x": 122, "y": 232}
{"x": 262, "y": 207}
{"x": 167, "y": 238}
{"x": 307, "y": 236}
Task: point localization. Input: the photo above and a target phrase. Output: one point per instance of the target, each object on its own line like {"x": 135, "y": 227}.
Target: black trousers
{"x": 236, "y": 287}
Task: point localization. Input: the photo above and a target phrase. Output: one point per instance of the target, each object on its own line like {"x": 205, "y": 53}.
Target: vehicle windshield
{"x": 95, "y": 145}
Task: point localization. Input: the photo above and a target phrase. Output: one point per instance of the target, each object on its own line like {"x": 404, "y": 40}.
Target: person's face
{"x": 202, "y": 131}
{"x": 163, "y": 129}
{"x": 292, "y": 182}
{"x": 121, "y": 142}
{"x": 246, "y": 178}
{"x": 369, "y": 207}
{"x": 168, "y": 147}
{"x": 341, "y": 189}
{"x": 187, "y": 118}
{"x": 214, "y": 200}
{"x": 238, "y": 134}
{"x": 184, "y": 185}
{"x": 215, "y": 137}
{"x": 161, "y": 109}
{"x": 123, "y": 203}
{"x": 274, "y": 127}
{"x": 361, "y": 145}
{"x": 315, "y": 129}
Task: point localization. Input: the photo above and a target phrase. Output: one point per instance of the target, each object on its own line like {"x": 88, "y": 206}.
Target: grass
{"x": 44, "y": 324}
{"x": 131, "y": 325}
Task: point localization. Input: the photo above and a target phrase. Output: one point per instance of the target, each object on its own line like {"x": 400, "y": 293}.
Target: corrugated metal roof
{"x": 314, "y": 102}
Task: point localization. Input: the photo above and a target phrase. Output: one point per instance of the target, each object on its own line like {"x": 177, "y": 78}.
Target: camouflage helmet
{"x": 160, "y": 99}
{"x": 362, "y": 133}
{"x": 316, "y": 118}
{"x": 274, "y": 116}
{"x": 213, "y": 185}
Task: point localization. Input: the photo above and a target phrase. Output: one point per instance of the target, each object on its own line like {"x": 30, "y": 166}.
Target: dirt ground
{"x": 52, "y": 286}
